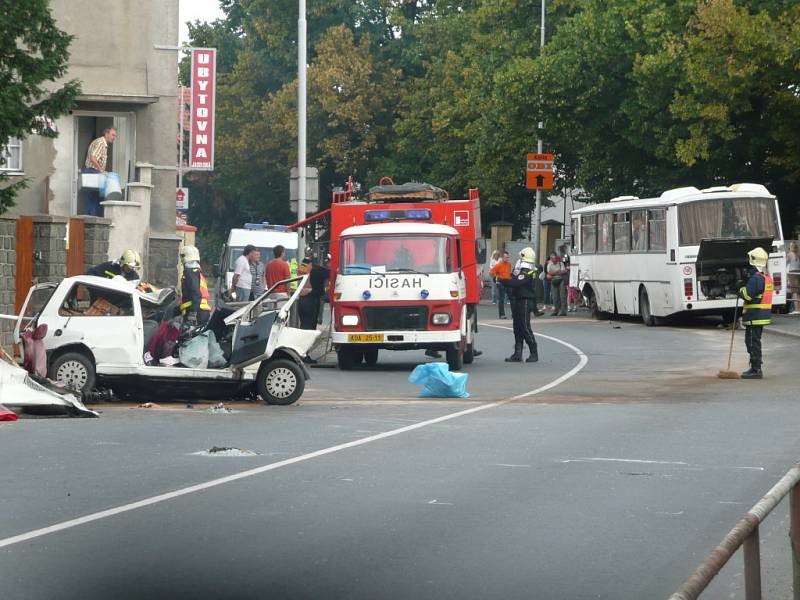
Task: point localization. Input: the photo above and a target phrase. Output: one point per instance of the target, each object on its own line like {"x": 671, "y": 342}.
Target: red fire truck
{"x": 405, "y": 272}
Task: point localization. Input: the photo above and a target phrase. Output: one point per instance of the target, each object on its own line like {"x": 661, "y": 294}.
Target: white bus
{"x": 683, "y": 252}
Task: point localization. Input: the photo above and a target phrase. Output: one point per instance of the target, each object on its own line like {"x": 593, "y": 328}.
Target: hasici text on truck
{"x": 405, "y": 269}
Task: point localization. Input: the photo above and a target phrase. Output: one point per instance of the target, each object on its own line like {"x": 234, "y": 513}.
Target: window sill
{"x": 11, "y": 173}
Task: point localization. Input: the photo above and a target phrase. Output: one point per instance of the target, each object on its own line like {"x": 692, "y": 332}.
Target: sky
{"x": 191, "y": 10}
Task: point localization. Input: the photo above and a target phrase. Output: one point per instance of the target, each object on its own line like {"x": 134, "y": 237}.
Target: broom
{"x": 731, "y": 374}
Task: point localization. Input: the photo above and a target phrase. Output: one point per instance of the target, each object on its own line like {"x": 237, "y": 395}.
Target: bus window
{"x": 657, "y": 221}
{"x": 588, "y": 234}
{"x": 639, "y": 231}
{"x": 573, "y": 235}
{"x": 726, "y": 218}
{"x": 604, "y": 232}
{"x": 622, "y": 232}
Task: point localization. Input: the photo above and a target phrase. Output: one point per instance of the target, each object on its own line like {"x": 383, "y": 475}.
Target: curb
{"x": 781, "y": 332}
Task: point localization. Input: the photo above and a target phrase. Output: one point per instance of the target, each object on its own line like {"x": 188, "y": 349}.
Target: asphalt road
{"x": 612, "y": 484}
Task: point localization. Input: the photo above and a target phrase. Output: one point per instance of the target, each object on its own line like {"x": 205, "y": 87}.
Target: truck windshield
{"x": 363, "y": 255}
{"x": 727, "y": 218}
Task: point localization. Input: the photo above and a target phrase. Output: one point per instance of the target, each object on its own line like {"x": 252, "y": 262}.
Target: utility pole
{"x": 301, "y": 124}
{"x": 537, "y": 224}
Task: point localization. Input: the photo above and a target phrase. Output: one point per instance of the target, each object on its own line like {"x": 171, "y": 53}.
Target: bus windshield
{"x": 364, "y": 255}
{"x": 727, "y": 218}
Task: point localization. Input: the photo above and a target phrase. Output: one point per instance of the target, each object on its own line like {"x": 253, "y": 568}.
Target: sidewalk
{"x": 785, "y": 325}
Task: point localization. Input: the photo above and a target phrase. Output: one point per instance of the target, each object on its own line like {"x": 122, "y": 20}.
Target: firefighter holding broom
{"x": 757, "y": 297}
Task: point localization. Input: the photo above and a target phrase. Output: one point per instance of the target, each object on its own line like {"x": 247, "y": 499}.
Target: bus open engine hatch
{"x": 722, "y": 264}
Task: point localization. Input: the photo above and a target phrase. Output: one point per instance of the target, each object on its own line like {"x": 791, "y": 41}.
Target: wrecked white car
{"x": 99, "y": 331}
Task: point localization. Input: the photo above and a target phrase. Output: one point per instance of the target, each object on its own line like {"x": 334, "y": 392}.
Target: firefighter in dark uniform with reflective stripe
{"x": 194, "y": 290}
{"x": 523, "y": 304}
{"x": 126, "y": 267}
{"x": 757, "y": 295}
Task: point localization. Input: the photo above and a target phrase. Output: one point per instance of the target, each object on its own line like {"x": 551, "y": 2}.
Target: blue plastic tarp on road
{"x": 439, "y": 382}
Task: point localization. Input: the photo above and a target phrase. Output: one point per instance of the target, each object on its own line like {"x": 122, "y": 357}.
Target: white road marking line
{"x": 677, "y": 463}
{"x": 103, "y": 514}
{"x": 511, "y": 465}
{"x": 441, "y": 503}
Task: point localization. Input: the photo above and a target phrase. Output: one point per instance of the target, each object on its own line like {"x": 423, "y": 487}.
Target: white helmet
{"x": 527, "y": 255}
{"x": 758, "y": 257}
{"x": 130, "y": 258}
{"x": 190, "y": 254}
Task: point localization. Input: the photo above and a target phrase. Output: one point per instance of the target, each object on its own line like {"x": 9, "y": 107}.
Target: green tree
{"x": 33, "y": 52}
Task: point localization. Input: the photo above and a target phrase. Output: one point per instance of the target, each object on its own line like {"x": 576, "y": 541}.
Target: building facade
{"x": 127, "y": 83}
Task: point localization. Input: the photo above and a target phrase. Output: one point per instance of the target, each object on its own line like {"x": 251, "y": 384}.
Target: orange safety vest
{"x": 757, "y": 309}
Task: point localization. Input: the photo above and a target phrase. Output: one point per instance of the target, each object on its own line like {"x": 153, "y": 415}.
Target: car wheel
{"x": 371, "y": 357}
{"x": 644, "y": 309}
{"x": 74, "y": 370}
{"x": 345, "y": 359}
{"x": 455, "y": 357}
{"x": 280, "y": 382}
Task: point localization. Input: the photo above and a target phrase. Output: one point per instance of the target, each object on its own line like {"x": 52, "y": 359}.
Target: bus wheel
{"x": 594, "y": 309}
{"x": 371, "y": 357}
{"x": 644, "y": 309}
{"x": 455, "y": 357}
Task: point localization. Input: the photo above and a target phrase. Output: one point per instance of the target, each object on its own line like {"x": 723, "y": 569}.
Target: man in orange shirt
{"x": 502, "y": 270}
{"x": 277, "y": 269}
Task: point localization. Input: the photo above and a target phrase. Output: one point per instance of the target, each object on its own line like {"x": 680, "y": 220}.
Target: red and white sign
{"x": 182, "y": 198}
{"x": 203, "y": 89}
{"x": 461, "y": 218}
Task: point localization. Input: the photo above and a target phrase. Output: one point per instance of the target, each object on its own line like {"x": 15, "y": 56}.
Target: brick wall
{"x": 95, "y": 249}
{"x": 8, "y": 260}
{"x": 49, "y": 248}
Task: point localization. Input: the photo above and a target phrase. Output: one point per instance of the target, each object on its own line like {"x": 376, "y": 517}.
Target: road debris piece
{"x": 439, "y": 382}
{"x": 149, "y": 405}
{"x": 220, "y": 408}
{"x": 225, "y": 451}
{"x": 7, "y": 415}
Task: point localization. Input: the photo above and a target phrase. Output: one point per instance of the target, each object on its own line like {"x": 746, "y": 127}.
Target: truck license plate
{"x": 365, "y": 337}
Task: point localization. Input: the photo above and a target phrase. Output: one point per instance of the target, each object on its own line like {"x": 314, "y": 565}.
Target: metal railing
{"x": 745, "y": 534}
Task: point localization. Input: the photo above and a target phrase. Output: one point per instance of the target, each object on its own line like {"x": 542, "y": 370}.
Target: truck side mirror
{"x": 480, "y": 250}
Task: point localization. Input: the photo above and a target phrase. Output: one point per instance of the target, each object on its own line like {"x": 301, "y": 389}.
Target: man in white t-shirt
{"x": 245, "y": 271}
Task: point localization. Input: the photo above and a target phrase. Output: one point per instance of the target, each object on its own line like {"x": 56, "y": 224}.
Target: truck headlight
{"x": 349, "y": 320}
{"x": 441, "y": 318}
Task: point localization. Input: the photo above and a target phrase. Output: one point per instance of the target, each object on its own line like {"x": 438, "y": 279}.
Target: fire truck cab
{"x": 405, "y": 268}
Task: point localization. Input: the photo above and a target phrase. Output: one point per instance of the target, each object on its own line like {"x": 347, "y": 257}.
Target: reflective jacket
{"x": 521, "y": 283}
{"x": 111, "y": 269}
{"x": 757, "y": 296}
{"x": 194, "y": 291}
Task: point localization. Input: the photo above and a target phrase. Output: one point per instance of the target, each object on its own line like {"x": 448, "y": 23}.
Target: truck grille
{"x": 396, "y": 318}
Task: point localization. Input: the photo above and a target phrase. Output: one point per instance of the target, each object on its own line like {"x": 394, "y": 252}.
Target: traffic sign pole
{"x": 537, "y": 224}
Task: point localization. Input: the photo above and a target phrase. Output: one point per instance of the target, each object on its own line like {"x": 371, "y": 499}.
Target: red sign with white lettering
{"x": 204, "y": 79}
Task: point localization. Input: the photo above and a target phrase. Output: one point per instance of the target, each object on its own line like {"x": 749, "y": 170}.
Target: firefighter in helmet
{"x": 524, "y": 301}
{"x": 194, "y": 304}
{"x": 757, "y": 295}
{"x": 126, "y": 266}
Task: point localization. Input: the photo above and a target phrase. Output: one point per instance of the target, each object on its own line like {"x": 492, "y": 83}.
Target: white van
{"x": 261, "y": 235}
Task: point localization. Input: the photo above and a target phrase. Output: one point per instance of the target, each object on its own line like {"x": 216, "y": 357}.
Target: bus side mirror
{"x": 480, "y": 250}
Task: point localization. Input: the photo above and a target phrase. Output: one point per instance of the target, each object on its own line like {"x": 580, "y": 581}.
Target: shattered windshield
{"x": 366, "y": 255}
{"x": 727, "y": 218}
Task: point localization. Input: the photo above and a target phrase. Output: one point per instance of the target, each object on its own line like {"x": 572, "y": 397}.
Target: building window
{"x": 11, "y": 156}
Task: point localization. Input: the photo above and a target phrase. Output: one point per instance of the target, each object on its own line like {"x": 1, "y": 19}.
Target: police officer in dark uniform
{"x": 524, "y": 303}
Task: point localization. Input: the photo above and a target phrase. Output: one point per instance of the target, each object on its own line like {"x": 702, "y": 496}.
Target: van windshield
{"x": 727, "y": 218}
{"x": 235, "y": 252}
{"x": 395, "y": 253}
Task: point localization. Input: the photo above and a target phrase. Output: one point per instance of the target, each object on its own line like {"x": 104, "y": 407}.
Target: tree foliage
{"x": 33, "y": 52}
{"x": 636, "y": 96}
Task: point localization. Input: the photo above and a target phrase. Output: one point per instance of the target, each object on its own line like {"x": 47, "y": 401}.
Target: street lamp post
{"x": 537, "y": 225}
{"x": 301, "y": 123}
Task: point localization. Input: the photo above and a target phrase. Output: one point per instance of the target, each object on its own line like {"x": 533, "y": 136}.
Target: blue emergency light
{"x": 266, "y": 226}
{"x": 412, "y": 214}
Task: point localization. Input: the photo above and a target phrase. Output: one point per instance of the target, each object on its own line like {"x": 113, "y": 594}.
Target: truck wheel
{"x": 280, "y": 382}
{"x": 455, "y": 357}
{"x": 371, "y": 357}
{"x": 73, "y": 369}
{"x": 345, "y": 358}
{"x": 594, "y": 309}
